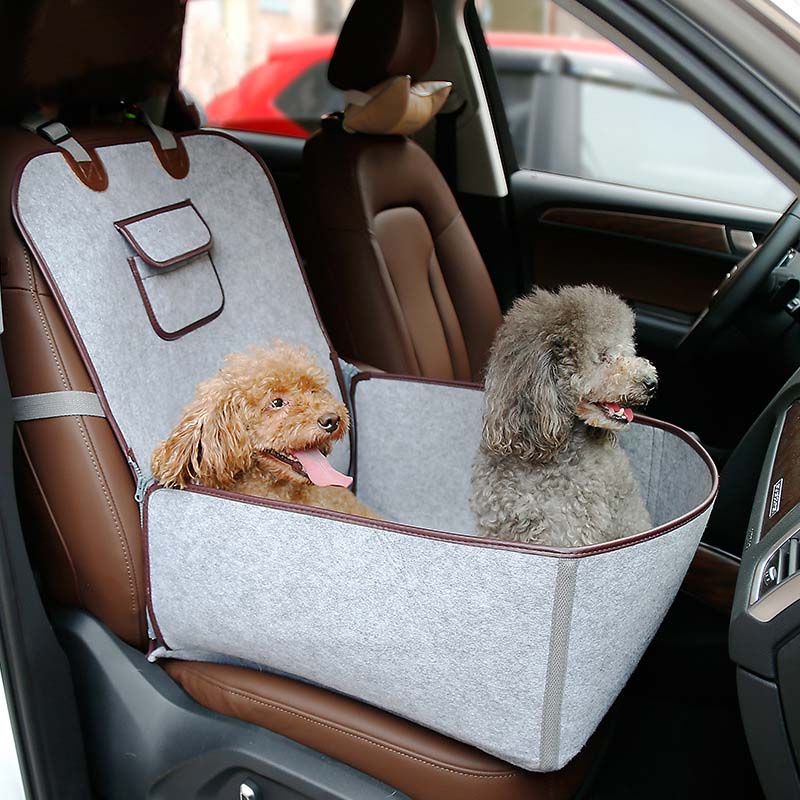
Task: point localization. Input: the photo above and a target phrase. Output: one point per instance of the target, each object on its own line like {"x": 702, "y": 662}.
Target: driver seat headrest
{"x": 383, "y": 39}
{"x": 56, "y": 52}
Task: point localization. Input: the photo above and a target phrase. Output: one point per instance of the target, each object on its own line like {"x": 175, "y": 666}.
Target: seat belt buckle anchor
{"x": 54, "y": 138}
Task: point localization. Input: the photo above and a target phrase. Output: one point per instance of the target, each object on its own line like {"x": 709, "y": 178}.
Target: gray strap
{"x": 165, "y": 138}
{"x": 57, "y": 133}
{"x": 56, "y": 404}
{"x": 349, "y": 371}
{"x": 561, "y": 622}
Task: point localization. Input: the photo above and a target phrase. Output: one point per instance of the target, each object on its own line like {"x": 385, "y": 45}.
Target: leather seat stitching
{"x": 443, "y": 231}
{"x": 129, "y": 568}
{"x": 433, "y": 264}
{"x": 134, "y": 606}
{"x": 389, "y": 284}
{"x": 347, "y": 732}
{"x": 51, "y": 515}
{"x": 43, "y": 320}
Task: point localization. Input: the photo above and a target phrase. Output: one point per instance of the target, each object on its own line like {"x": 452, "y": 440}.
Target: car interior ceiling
{"x": 728, "y": 368}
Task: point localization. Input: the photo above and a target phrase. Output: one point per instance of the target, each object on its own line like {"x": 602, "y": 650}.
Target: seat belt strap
{"x": 166, "y": 139}
{"x": 49, "y": 405}
{"x": 56, "y": 133}
{"x": 59, "y": 134}
{"x": 446, "y": 145}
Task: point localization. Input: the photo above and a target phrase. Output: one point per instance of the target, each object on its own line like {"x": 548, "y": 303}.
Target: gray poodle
{"x": 560, "y": 383}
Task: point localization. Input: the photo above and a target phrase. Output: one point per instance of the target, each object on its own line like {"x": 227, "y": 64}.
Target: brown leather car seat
{"x": 76, "y": 490}
{"x": 399, "y": 280}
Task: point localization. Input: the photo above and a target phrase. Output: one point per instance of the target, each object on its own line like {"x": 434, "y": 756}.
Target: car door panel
{"x": 641, "y": 271}
{"x": 663, "y": 253}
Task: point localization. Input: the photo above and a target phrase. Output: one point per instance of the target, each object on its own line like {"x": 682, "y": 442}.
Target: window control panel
{"x": 778, "y": 566}
{"x": 781, "y": 565}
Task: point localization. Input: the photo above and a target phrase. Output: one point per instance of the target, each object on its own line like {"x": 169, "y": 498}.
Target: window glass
{"x": 262, "y": 65}
{"x": 516, "y": 89}
{"x": 578, "y": 105}
{"x": 310, "y": 96}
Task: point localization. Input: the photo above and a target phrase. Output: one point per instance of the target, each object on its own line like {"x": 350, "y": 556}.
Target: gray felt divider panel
{"x": 517, "y": 650}
{"x": 145, "y": 380}
{"x": 415, "y": 444}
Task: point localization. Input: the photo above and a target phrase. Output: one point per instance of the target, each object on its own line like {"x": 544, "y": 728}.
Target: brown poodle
{"x": 262, "y": 426}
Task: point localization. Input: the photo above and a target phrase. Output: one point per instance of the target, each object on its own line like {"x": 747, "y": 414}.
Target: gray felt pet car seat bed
{"x": 518, "y": 650}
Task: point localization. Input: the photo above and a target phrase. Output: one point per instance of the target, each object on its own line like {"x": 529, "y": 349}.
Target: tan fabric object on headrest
{"x": 395, "y": 107}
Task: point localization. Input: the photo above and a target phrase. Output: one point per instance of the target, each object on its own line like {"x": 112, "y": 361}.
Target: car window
{"x": 262, "y": 66}
{"x": 596, "y": 113}
{"x": 516, "y": 89}
{"x": 309, "y": 96}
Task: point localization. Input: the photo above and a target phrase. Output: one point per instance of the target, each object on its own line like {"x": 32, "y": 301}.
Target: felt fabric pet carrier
{"x": 518, "y": 650}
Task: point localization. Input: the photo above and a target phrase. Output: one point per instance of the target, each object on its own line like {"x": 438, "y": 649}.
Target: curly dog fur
{"x": 548, "y": 470}
{"x": 245, "y": 424}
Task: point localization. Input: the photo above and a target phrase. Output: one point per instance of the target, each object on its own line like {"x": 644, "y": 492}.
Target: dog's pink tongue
{"x": 628, "y": 414}
{"x": 319, "y": 470}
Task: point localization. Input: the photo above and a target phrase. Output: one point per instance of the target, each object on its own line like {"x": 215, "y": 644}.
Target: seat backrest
{"x": 159, "y": 278}
{"x": 75, "y": 489}
{"x": 79, "y": 231}
{"x": 400, "y": 282}
{"x": 74, "y": 485}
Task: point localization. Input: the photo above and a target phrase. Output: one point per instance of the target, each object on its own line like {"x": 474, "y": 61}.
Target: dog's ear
{"x": 527, "y": 414}
{"x": 210, "y": 445}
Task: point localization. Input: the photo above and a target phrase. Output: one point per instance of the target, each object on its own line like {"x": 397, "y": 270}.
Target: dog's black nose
{"x": 328, "y": 422}
{"x": 650, "y": 383}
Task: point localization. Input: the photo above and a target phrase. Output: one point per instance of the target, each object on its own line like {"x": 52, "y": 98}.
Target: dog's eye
{"x": 277, "y": 403}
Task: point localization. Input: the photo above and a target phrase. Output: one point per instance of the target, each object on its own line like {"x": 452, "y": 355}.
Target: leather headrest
{"x": 381, "y": 39}
{"x": 395, "y": 107}
{"x": 63, "y": 51}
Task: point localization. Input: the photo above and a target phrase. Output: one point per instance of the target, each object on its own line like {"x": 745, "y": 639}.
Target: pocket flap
{"x": 168, "y": 235}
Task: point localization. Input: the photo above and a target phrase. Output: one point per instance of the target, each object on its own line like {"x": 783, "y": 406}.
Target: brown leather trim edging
{"x": 476, "y": 541}
{"x": 170, "y": 336}
{"x": 122, "y": 225}
{"x": 175, "y": 161}
{"x": 393, "y": 376}
{"x": 92, "y": 173}
{"x": 575, "y": 552}
{"x": 667, "y": 230}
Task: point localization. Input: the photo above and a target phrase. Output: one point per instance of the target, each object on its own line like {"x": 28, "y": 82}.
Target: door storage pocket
{"x": 519, "y": 650}
{"x": 172, "y": 265}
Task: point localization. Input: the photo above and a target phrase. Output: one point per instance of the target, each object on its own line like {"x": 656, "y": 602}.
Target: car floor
{"x": 677, "y": 731}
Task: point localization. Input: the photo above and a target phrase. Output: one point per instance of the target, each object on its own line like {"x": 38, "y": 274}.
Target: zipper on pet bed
{"x": 143, "y": 480}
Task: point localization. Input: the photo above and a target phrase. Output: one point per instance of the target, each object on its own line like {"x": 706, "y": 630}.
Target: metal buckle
{"x": 42, "y": 131}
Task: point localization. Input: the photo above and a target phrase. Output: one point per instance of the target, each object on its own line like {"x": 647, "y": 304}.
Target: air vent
{"x": 782, "y": 565}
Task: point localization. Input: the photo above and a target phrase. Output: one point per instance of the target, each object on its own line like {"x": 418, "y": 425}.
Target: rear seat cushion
{"x": 419, "y": 762}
